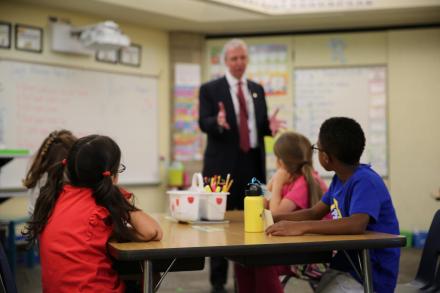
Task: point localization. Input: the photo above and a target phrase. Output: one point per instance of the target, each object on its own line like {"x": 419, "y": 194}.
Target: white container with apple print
{"x": 213, "y": 205}
{"x": 195, "y": 204}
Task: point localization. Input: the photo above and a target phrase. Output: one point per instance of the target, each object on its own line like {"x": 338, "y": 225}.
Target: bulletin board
{"x": 36, "y": 99}
{"x": 356, "y": 92}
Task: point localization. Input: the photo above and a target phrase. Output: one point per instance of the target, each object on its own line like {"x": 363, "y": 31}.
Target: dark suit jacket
{"x": 223, "y": 145}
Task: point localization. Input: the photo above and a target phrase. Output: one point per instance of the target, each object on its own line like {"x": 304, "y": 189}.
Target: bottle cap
{"x": 253, "y": 190}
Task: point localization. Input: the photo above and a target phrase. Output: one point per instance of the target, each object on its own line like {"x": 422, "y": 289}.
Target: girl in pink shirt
{"x": 295, "y": 185}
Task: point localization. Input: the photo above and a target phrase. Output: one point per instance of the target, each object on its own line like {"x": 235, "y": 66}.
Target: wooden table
{"x": 182, "y": 241}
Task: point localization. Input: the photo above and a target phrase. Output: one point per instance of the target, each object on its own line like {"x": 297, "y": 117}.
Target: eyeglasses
{"x": 121, "y": 168}
{"x": 314, "y": 147}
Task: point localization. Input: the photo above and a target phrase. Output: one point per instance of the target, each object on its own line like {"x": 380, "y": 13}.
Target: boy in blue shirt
{"x": 358, "y": 201}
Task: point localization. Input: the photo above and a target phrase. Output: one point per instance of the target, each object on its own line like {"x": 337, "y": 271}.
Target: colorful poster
{"x": 187, "y": 137}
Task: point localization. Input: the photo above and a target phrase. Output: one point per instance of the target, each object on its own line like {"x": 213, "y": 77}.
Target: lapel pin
{"x": 254, "y": 95}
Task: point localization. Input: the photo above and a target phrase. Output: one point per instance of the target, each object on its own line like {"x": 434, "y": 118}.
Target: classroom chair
{"x": 285, "y": 279}
{"x": 7, "y": 280}
{"x": 11, "y": 242}
{"x": 428, "y": 274}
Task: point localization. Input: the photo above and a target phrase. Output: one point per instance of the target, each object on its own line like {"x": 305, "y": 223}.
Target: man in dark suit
{"x": 233, "y": 114}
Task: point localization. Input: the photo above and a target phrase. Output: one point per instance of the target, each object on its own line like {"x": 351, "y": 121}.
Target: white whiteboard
{"x": 36, "y": 99}
{"x": 356, "y": 92}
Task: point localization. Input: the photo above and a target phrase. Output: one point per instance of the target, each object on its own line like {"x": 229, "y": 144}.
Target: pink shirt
{"x": 298, "y": 191}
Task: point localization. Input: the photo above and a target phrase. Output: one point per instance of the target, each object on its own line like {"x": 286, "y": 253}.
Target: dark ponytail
{"x": 53, "y": 149}
{"x": 48, "y": 160}
{"x": 110, "y": 197}
{"x": 91, "y": 163}
{"x": 45, "y": 203}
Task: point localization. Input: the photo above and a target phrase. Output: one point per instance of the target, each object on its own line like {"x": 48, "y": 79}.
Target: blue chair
{"x": 428, "y": 274}
{"x": 11, "y": 242}
{"x": 7, "y": 280}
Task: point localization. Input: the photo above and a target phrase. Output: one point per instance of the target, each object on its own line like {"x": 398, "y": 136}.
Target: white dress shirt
{"x": 233, "y": 88}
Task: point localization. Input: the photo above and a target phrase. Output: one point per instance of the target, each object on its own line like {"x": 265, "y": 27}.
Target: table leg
{"x": 366, "y": 271}
{"x": 12, "y": 250}
{"x": 148, "y": 277}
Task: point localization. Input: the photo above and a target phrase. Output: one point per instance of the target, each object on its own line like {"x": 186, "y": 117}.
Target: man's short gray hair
{"x": 232, "y": 44}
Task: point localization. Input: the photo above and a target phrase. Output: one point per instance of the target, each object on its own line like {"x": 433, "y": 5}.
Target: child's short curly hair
{"x": 342, "y": 138}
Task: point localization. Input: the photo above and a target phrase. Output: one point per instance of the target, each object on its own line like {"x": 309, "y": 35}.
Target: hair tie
{"x": 106, "y": 173}
{"x": 64, "y": 162}
{"x": 53, "y": 134}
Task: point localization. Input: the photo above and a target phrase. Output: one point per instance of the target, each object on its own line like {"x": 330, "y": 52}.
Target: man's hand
{"x": 221, "y": 116}
{"x": 286, "y": 228}
{"x": 276, "y": 124}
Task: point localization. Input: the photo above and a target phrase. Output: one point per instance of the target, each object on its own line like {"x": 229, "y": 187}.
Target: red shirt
{"x": 73, "y": 246}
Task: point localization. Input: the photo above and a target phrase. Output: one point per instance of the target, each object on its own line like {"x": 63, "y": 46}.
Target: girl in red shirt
{"x": 74, "y": 221}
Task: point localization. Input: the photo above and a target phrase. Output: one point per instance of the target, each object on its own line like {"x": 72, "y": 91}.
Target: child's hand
{"x": 269, "y": 185}
{"x": 281, "y": 177}
{"x": 265, "y": 203}
{"x": 286, "y": 228}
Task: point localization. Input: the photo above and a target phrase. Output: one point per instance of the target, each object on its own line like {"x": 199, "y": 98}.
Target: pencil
{"x": 228, "y": 177}
{"x": 229, "y": 186}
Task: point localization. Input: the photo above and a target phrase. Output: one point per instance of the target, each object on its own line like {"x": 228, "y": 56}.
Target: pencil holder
{"x": 184, "y": 205}
{"x": 213, "y": 206}
{"x": 196, "y": 204}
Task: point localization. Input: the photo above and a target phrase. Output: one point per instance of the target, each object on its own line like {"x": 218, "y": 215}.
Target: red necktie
{"x": 244, "y": 129}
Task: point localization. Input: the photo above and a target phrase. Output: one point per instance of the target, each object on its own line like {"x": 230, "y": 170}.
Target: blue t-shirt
{"x": 365, "y": 193}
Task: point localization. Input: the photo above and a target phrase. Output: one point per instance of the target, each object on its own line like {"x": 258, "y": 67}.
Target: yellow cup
{"x": 175, "y": 174}
{"x": 253, "y": 214}
{"x": 175, "y": 177}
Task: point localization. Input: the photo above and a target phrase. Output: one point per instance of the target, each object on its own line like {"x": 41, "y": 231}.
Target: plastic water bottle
{"x": 253, "y": 208}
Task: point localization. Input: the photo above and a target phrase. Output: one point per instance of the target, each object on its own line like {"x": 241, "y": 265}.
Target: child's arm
{"x": 145, "y": 227}
{"x": 317, "y": 212}
{"x": 277, "y": 204}
{"x": 355, "y": 224}
{"x": 281, "y": 206}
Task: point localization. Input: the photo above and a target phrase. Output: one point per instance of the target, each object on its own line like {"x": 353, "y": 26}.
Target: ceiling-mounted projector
{"x": 86, "y": 40}
{"x": 103, "y": 36}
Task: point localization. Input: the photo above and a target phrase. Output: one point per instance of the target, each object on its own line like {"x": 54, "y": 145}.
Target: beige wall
{"x": 413, "y": 61}
{"x": 414, "y": 120}
{"x": 155, "y": 61}
{"x": 185, "y": 48}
